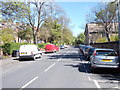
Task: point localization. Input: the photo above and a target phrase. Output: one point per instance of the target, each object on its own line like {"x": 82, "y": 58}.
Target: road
{"x": 66, "y": 68}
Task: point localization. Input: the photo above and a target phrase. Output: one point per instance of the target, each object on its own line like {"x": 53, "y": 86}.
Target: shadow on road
{"x": 107, "y": 74}
{"x": 16, "y": 59}
{"x": 23, "y": 59}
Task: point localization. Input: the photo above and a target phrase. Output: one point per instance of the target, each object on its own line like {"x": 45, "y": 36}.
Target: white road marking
{"x": 96, "y": 83}
{"x": 89, "y": 78}
{"x": 116, "y": 87}
{"x": 28, "y": 83}
{"x": 50, "y": 67}
{"x": 54, "y": 63}
{"x": 62, "y": 56}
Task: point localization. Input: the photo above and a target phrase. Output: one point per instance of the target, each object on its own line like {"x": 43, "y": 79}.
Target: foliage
{"x": 67, "y": 36}
{"x": 42, "y": 45}
{"x": 47, "y": 21}
{"x": 14, "y": 10}
{"x": 105, "y": 14}
{"x": 9, "y": 47}
{"x": 101, "y": 39}
{"x": 54, "y": 32}
{"x": 7, "y": 35}
{"x": 114, "y": 38}
{"x": 80, "y": 39}
{"x": 26, "y": 34}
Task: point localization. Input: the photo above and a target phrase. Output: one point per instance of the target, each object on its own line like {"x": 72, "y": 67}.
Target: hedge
{"x": 9, "y": 47}
{"x": 42, "y": 45}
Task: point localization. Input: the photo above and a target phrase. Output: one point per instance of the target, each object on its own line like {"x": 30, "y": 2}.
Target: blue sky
{"x": 76, "y": 12}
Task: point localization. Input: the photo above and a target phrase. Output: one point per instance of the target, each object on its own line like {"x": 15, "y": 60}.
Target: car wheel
{"x": 54, "y": 51}
{"x": 34, "y": 58}
{"x": 92, "y": 69}
{"x": 40, "y": 55}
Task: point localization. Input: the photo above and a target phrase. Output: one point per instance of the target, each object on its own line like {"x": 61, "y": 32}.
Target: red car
{"x": 51, "y": 48}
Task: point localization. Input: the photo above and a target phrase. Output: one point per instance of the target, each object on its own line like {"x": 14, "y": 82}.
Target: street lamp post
{"x": 119, "y": 24}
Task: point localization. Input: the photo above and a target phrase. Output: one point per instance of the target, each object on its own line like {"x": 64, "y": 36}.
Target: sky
{"x": 76, "y": 12}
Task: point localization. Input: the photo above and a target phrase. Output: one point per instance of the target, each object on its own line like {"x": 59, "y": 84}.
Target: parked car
{"x": 57, "y": 48}
{"x": 82, "y": 47}
{"x": 104, "y": 58}
{"x": 51, "y": 48}
{"x": 15, "y": 53}
{"x": 86, "y": 48}
{"x": 29, "y": 51}
{"x": 66, "y": 46}
{"x": 89, "y": 52}
{"x": 62, "y": 47}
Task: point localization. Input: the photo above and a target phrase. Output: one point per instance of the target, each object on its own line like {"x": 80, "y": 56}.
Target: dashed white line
{"x": 96, "y": 83}
{"x": 28, "y": 83}
{"x": 50, "y": 67}
{"x": 62, "y": 56}
{"x": 89, "y": 78}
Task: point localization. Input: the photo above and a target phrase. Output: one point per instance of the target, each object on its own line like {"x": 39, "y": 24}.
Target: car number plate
{"x": 105, "y": 60}
{"x": 23, "y": 53}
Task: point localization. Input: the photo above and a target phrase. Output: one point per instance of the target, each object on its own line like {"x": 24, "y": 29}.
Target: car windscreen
{"x": 106, "y": 53}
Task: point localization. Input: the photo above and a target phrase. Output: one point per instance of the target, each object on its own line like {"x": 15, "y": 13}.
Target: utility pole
{"x": 119, "y": 24}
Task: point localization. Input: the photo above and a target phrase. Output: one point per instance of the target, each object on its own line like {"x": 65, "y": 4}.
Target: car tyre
{"x": 92, "y": 70}
{"x": 40, "y": 55}
{"x": 34, "y": 58}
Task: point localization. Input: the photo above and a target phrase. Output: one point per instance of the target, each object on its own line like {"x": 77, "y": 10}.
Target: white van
{"x": 29, "y": 51}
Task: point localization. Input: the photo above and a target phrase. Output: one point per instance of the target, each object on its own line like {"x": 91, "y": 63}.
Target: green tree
{"x": 7, "y": 35}
{"x": 80, "y": 38}
{"x": 14, "y": 10}
{"x": 26, "y": 34}
{"x": 105, "y": 15}
{"x": 67, "y": 36}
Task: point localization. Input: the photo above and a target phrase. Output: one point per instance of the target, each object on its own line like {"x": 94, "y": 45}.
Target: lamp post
{"x": 119, "y": 24}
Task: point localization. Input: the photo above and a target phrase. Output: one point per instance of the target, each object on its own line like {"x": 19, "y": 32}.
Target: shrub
{"x": 42, "y": 45}
{"x": 9, "y": 47}
{"x": 101, "y": 39}
{"x": 114, "y": 38}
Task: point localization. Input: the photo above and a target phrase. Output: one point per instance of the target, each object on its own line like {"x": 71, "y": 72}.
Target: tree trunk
{"x": 108, "y": 38}
{"x": 34, "y": 38}
{"x": 107, "y": 33}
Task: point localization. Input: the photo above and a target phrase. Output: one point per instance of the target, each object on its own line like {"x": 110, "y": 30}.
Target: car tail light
{"x": 94, "y": 53}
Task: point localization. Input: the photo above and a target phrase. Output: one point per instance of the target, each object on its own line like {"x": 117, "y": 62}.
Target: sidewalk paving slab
{"x": 9, "y": 60}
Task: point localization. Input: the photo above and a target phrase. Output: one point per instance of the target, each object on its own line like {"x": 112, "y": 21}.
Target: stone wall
{"x": 108, "y": 45}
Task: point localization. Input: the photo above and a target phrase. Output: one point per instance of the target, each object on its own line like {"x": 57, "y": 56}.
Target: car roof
{"x": 104, "y": 49}
{"x": 88, "y": 46}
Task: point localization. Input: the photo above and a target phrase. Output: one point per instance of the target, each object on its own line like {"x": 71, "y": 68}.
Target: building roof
{"x": 94, "y": 27}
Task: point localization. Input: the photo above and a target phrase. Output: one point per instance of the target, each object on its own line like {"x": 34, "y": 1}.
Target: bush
{"x": 114, "y": 38}
{"x": 42, "y": 45}
{"x": 101, "y": 39}
{"x": 9, "y": 47}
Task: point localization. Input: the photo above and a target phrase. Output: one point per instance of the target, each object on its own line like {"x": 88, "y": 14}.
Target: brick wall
{"x": 108, "y": 45}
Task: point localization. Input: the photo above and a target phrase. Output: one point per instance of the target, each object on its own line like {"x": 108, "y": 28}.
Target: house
{"x": 93, "y": 31}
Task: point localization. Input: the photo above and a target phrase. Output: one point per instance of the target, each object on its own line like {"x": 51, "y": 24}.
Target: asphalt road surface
{"x": 66, "y": 68}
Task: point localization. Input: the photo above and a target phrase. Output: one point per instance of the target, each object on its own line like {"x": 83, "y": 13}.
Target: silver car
{"x": 104, "y": 58}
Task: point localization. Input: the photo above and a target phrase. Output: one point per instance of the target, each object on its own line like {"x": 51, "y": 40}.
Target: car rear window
{"x": 106, "y": 53}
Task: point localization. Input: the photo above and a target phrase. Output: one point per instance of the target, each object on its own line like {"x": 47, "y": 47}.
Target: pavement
{"x": 66, "y": 68}
{"x": 9, "y": 60}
